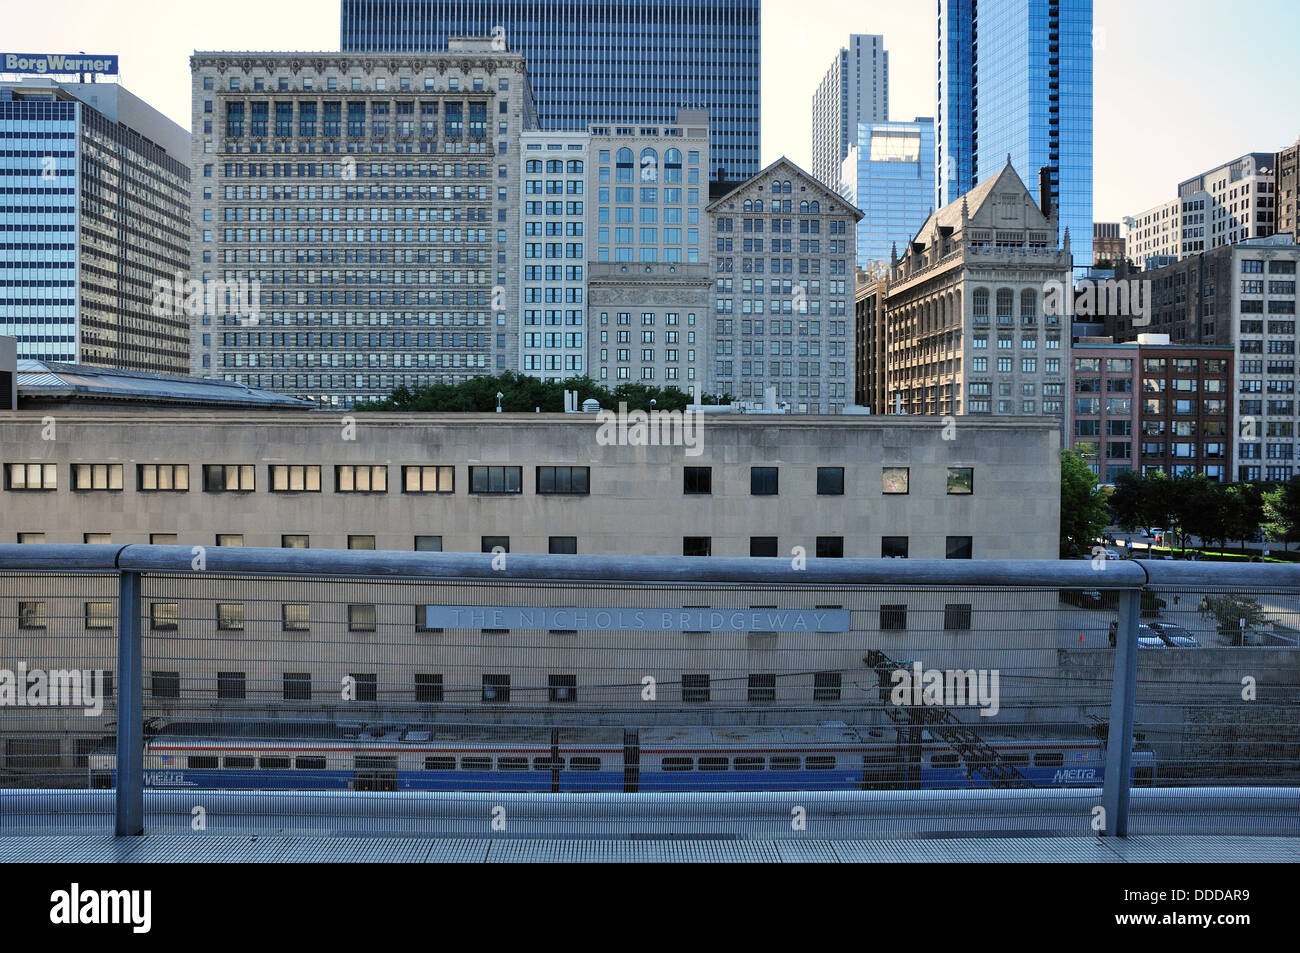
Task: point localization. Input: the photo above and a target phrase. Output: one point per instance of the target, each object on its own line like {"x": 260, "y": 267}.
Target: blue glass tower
{"x": 601, "y": 60}
{"x": 1015, "y": 78}
{"x": 889, "y": 176}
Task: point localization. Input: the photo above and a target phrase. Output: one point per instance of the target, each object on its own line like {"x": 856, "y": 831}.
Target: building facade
{"x": 783, "y": 263}
{"x": 1108, "y": 245}
{"x": 967, "y": 327}
{"x": 889, "y": 176}
{"x": 597, "y": 61}
{"x": 1287, "y": 191}
{"x": 854, "y": 90}
{"x": 98, "y": 211}
{"x": 1015, "y": 78}
{"x": 1230, "y": 203}
{"x": 1151, "y": 407}
{"x": 375, "y": 201}
{"x": 1241, "y": 297}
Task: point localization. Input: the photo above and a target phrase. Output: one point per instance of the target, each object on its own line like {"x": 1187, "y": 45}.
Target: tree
{"x": 1230, "y": 610}
{"x": 1244, "y": 511}
{"x": 1140, "y": 502}
{"x": 1282, "y": 512}
{"x": 1083, "y": 506}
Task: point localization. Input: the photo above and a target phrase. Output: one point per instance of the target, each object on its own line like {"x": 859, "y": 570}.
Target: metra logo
{"x": 1075, "y": 774}
{"x": 159, "y": 779}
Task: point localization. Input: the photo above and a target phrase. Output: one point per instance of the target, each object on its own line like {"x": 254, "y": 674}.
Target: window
{"x": 361, "y": 542}
{"x": 164, "y": 616}
{"x": 162, "y": 539}
{"x": 295, "y": 542}
{"x": 361, "y": 618}
{"x": 562, "y": 688}
{"x": 165, "y": 684}
{"x": 99, "y": 615}
{"x": 830, "y": 481}
{"x": 959, "y": 547}
{"x": 762, "y": 688}
{"x": 956, "y": 615}
{"x": 564, "y": 480}
{"x": 826, "y": 686}
{"x": 435, "y": 479}
{"x": 893, "y": 547}
{"x": 894, "y": 481}
{"x": 493, "y": 544}
{"x": 100, "y": 538}
{"x": 961, "y": 481}
{"x": 366, "y": 684}
{"x": 763, "y": 481}
{"x": 228, "y": 478}
{"x": 230, "y": 616}
{"x": 762, "y": 546}
{"x": 428, "y": 544}
{"x": 496, "y": 480}
{"x": 230, "y": 539}
{"x": 697, "y": 481}
{"x": 830, "y": 547}
{"x": 30, "y": 538}
{"x": 31, "y": 615}
{"x": 297, "y": 686}
{"x": 695, "y": 689}
{"x": 162, "y": 477}
{"x": 231, "y": 685}
{"x": 294, "y": 478}
{"x": 295, "y": 617}
{"x": 696, "y": 546}
{"x": 97, "y": 476}
{"x": 496, "y": 688}
{"x": 31, "y": 476}
{"x": 893, "y": 617}
{"x": 428, "y": 688}
{"x": 360, "y": 479}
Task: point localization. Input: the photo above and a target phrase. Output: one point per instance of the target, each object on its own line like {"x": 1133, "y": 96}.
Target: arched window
{"x": 1028, "y": 303}
{"x": 623, "y": 165}
{"x": 981, "y": 303}
{"x": 748, "y": 206}
{"x": 815, "y": 208}
{"x": 803, "y": 208}
{"x": 785, "y": 187}
{"x": 575, "y": 165}
{"x": 649, "y": 165}
{"x": 554, "y": 166}
{"x": 758, "y": 205}
{"x": 534, "y": 165}
{"x": 776, "y": 187}
{"x": 1006, "y": 301}
{"x": 673, "y": 165}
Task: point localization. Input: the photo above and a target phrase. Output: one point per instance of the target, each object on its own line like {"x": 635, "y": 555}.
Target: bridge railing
{"x": 517, "y": 694}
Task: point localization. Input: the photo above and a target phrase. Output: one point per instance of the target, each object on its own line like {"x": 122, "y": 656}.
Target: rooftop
{"x": 46, "y": 382}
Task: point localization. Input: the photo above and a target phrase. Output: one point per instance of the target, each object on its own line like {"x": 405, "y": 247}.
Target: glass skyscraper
{"x": 599, "y": 61}
{"x": 1015, "y": 78}
{"x": 889, "y": 176}
{"x": 96, "y": 210}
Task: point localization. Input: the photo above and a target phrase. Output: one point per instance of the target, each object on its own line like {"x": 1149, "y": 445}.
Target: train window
{"x": 440, "y": 763}
{"x": 309, "y": 764}
{"x": 784, "y": 763}
{"x": 512, "y": 764}
{"x": 1049, "y": 759}
{"x": 587, "y": 764}
{"x": 713, "y": 764}
{"x": 677, "y": 764}
{"x": 240, "y": 762}
{"x": 273, "y": 763}
{"x": 548, "y": 764}
{"x": 476, "y": 764}
{"x": 749, "y": 764}
{"x": 205, "y": 762}
{"x": 943, "y": 760}
{"x": 821, "y": 762}
{"x": 1016, "y": 759}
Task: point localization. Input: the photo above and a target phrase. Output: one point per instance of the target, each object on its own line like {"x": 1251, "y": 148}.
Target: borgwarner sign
{"x": 59, "y": 63}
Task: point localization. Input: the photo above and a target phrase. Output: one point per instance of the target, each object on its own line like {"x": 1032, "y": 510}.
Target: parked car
{"x": 1175, "y": 636}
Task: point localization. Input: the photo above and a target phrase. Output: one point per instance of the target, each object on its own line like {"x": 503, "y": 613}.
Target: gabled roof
{"x": 950, "y": 215}
{"x": 824, "y": 192}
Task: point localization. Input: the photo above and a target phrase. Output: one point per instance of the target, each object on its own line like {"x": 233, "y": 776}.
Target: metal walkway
{"x": 199, "y": 848}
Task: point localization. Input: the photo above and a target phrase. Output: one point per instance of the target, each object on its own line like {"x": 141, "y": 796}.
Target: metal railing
{"x": 705, "y": 704}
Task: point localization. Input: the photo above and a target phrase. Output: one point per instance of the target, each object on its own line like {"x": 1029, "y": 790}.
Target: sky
{"x": 1180, "y": 85}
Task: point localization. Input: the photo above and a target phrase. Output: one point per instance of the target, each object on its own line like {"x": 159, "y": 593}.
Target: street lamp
{"x": 499, "y": 396}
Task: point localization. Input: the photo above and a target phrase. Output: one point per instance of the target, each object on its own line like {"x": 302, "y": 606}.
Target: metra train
{"x": 831, "y": 756}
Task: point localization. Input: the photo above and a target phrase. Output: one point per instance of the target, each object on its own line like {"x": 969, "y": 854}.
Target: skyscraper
{"x": 1015, "y": 79}
{"x": 601, "y": 60}
{"x": 103, "y": 213}
{"x": 889, "y": 176}
{"x": 854, "y": 90}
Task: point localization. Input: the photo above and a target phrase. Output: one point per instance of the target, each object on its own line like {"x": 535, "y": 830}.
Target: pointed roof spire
{"x": 1008, "y": 158}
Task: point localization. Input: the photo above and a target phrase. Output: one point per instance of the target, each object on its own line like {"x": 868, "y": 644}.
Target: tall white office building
{"x": 855, "y": 89}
